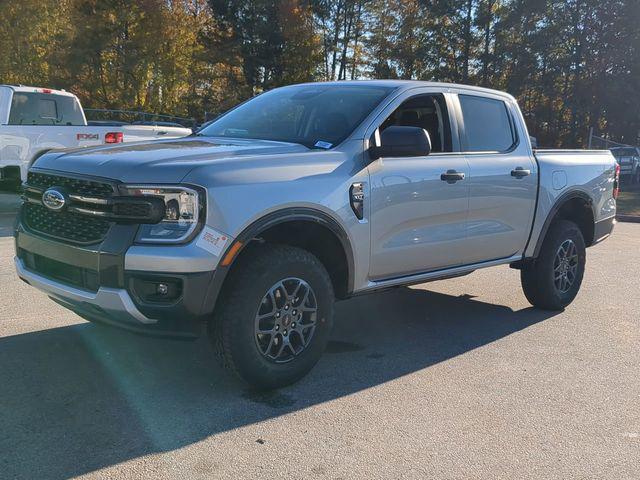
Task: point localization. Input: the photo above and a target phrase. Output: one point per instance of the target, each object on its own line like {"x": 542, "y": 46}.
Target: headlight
{"x": 182, "y": 213}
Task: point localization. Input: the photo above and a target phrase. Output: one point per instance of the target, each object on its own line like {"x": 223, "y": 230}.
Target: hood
{"x": 159, "y": 161}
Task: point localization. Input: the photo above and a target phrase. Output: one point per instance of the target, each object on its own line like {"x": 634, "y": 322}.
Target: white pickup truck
{"x": 36, "y": 120}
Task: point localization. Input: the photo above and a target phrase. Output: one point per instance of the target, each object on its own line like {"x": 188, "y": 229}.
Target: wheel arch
{"x": 272, "y": 227}
{"x": 576, "y": 206}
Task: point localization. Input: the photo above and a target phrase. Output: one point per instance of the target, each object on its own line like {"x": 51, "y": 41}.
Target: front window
{"x": 428, "y": 112}
{"x": 317, "y": 116}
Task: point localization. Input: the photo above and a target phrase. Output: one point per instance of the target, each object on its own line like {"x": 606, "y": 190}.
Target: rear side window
{"x": 44, "y": 109}
{"x": 487, "y": 124}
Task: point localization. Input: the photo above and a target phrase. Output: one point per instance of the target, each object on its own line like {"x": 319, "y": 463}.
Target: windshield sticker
{"x": 321, "y": 144}
{"x": 235, "y": 132}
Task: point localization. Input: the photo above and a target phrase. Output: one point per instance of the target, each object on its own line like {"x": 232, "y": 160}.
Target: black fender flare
{"x": 262, "y": 224}
{"x": 560, "y": 202}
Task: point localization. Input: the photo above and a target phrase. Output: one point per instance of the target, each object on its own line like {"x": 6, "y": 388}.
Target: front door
{"x": 419, "y": 205}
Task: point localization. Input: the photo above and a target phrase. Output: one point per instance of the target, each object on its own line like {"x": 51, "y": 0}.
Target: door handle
{"x": 451, "y": 176}
{"x": 520, "y": 172}
{"x": 162, "y": 132}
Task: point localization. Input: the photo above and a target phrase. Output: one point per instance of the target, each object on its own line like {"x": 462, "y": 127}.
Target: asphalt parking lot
{"x": 452, "y": 380}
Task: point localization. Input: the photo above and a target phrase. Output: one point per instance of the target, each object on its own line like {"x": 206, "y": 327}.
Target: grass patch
{"x": 629, "y": 202}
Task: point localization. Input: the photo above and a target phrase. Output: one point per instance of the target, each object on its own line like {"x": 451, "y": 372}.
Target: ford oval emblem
{"x": 53, "y": 199}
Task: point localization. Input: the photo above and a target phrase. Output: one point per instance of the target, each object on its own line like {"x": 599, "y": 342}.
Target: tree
{"x": 276, "y": 43}
{"x": 572, "y": 64}
{"x": 33, "y": 39}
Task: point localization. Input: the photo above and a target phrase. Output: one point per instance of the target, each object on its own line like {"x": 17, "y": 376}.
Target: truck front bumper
{"x": 113, "y": 282}
{"x": 108, "y": 302}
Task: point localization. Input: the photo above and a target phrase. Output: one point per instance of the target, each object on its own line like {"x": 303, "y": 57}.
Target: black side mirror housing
{"x": 400, "y": 141}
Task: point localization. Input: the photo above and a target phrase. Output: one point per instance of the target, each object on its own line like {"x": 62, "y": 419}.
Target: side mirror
{"x": 399, "y": 141}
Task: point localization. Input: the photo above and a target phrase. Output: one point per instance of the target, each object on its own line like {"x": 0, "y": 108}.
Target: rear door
{"x": 502, "y": 177}
{"x": 418, "y": 218}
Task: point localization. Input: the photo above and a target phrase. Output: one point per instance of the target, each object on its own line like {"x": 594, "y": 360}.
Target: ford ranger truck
{"x": 35, "y": 120}
{"x": 303, "y": 195}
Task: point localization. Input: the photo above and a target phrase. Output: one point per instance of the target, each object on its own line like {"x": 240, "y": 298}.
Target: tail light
{"x": 616, "y": 182}
{"x": 114, "y": 137}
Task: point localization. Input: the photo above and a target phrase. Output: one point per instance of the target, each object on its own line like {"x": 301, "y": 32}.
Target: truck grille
{"x": 88, "y": 188}
{"x": 89, "y": 210}
{"x": 132, "y": 209}
{"x": 65, "y": 225}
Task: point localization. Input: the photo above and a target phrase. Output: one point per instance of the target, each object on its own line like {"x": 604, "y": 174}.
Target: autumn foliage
{"x": 573, "y": 65}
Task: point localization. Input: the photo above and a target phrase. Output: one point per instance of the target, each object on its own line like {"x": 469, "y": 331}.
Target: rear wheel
{"x": 275, "y": 315}
{"x": 553, "y": 280}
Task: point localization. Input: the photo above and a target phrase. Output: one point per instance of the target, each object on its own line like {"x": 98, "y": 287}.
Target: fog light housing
{"x": 156, "y": 290}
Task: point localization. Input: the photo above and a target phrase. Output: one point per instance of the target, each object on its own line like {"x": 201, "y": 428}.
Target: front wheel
{"x": 275, "y": 315}
{"x": 553, "y": 280}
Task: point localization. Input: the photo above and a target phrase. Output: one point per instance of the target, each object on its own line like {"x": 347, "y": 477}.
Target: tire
{"x": 546, "y": 283}
{"x": 263, "y": 282}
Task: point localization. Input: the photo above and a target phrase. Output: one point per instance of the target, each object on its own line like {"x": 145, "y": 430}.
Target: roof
{"x": 25, "y": 89}
{"x": 409, "y": 84}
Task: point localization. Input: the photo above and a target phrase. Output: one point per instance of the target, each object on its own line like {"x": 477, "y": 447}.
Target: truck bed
{"x": 589, "y": 171}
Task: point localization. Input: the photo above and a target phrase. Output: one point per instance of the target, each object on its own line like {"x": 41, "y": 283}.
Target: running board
{"x": 436, "y": 274}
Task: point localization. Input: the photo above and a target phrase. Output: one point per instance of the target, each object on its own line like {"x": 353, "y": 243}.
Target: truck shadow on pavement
{"x": 80, "y": 398}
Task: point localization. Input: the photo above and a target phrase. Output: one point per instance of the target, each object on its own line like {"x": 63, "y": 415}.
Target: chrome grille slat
{"x": 83, "y": 199}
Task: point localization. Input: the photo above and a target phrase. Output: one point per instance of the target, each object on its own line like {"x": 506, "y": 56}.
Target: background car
{"x": 629, "y": 160}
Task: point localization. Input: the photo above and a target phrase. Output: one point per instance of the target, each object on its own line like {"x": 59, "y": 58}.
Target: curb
{"x": 628, "y": 218}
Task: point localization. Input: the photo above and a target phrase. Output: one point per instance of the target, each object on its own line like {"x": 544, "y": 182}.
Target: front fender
{"x": 262, "y": 224}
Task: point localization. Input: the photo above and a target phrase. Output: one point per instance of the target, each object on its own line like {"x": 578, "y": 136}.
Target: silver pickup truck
{"x": 304, "y": 194}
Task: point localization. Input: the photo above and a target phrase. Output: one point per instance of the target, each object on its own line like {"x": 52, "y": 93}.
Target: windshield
{"x": 624, "y": 152}
{"x": 317, "y": 116}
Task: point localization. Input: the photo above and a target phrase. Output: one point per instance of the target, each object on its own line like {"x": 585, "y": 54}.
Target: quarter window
{"x": 487, "y": 124}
